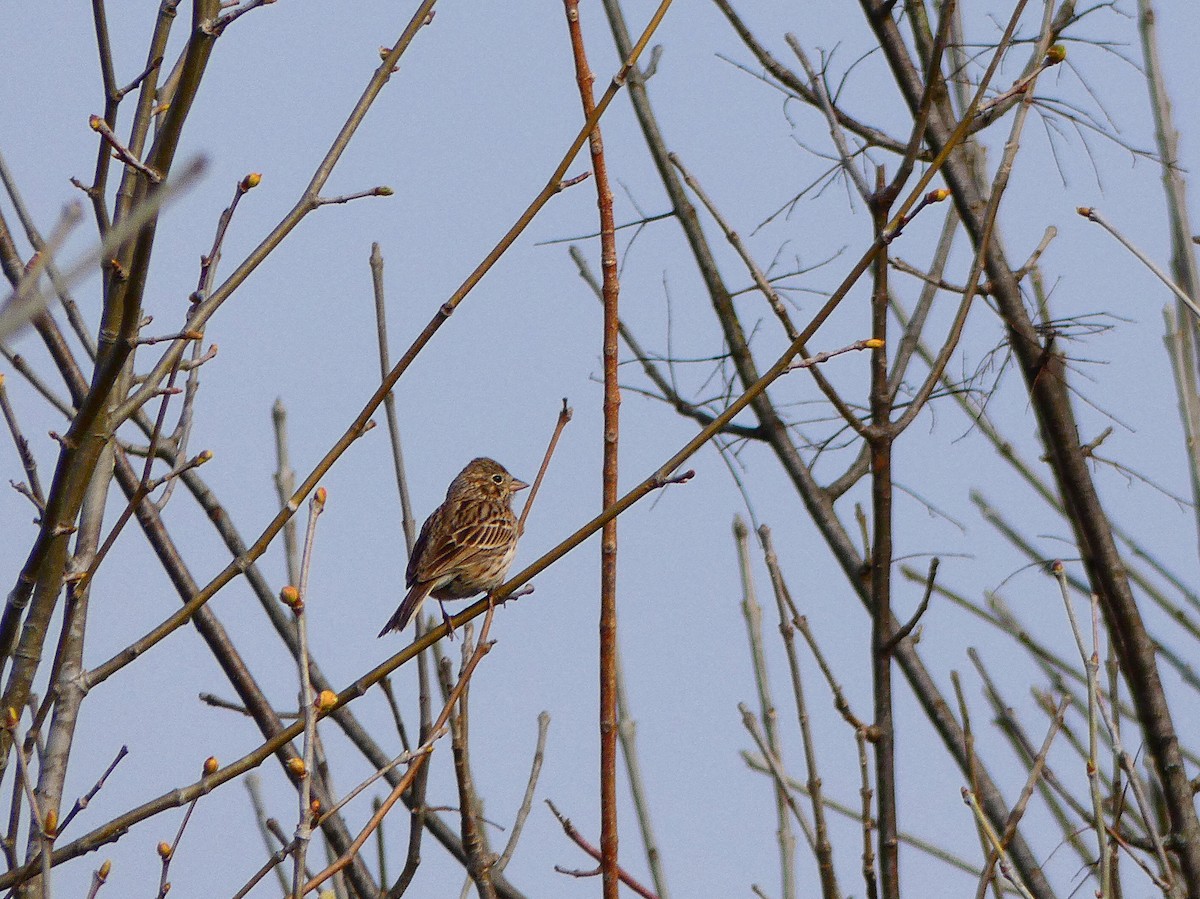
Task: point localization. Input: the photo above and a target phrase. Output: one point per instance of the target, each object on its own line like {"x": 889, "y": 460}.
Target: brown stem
{"x": 479, "y": 859}
{"x": 880, "y": 437}
{"x": 612, "y": 404}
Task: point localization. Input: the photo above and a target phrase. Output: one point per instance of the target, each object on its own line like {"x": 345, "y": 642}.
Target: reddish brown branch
{"x": 610, "y": 292}
{"x": 578, "y": 840}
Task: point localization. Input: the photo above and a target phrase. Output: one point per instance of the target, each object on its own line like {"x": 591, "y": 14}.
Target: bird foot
{"x": 446, "y": 620}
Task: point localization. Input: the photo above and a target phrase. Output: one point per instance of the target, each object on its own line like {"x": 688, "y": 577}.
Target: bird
{"x": 466, "y": 545}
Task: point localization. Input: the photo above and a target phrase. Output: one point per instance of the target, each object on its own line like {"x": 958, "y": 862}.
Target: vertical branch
{"x": 627, "y": 732}
{"x": 389, "y": 400}
{"x": 285, "y": 486}
{"x": 416, "y": 799}
{"x": 66, "y": 685}
{"x": 479, "y": 859}
{"x": 783, "y": 601}
{"x": 612, "y": 404}
{"x": 752, "y": 612}
{"x": 1183, "y": 258}
{"x": 880, "y": 437}
{"x": 304, "y": 821}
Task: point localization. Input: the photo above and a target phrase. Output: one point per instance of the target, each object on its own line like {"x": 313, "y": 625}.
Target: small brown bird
{"x": 466, "y": 545}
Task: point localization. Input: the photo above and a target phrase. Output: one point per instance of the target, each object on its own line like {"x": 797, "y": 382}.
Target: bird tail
{"x": 408, "y": 608}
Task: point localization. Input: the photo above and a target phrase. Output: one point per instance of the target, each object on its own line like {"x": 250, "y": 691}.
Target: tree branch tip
{"x": 576, "y": 872}
{"x": 676, "y": 479}
{"x": 571, "y": 182}
{"x": 1056, "y": 54}
{"x": 518, "y": 593}
{"x": 250, "y": 182}
{"x": 210, "y": 766}
{"x": 740, "y": 531}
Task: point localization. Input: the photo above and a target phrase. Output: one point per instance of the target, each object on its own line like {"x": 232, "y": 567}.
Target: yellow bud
{"x": 211, "y": 765}
{"x": 104, "y": 870}
{"x": 204, "y": 456}
{"x": 1056, "y": 54}
{"x": 250, "y": 182}
{"x": 320, "y": 496}
{"x": 326, "y": 700}
{"x": 296, "y": 766}
{"x": 1057, "y": 566}
{"x": 315, "y": 808}
{"x": 873, "y": 343}
{"x": 94, "y": 122}
{"x": 11, "y": 718}
{"x": 1085, "y": 211}
{"x": 384, "y": 191}
{"x": 936, "y": 196}
{"x": 164, "y": 850}
{"x": 50, "y": 826}
{"x": 290, "y": 597}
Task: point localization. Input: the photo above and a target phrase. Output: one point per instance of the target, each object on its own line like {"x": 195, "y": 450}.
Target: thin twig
{"x": 627, "y": 734}
{"x": 285, "y": 486}
{"x": 28, "y": 461}
{"x": 535, "y": 769}
{"x": 1094, "y": 215}
{"x": 907, "y": 628}
{"x": 82, "y": 802}
{"x": 305, "y": 817}
{"x": 783, "y": 602}
{"x": 578, "y": 839}
{"x": 564, "y": 416}
{"x": 752, "y": 613}
{"x": 276, "y": 856}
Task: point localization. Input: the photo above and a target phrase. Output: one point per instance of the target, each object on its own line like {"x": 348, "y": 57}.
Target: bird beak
{"x": 517, "y": 485}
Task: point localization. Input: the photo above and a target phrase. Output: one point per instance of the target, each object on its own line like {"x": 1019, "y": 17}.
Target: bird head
{"x": 488, "y": 478}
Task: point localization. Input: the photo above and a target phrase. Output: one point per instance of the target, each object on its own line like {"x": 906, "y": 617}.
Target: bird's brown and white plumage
{"x": 466, "y": 545}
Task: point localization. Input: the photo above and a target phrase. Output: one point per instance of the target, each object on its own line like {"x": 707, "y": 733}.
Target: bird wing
{"x": 441, "y": 551}
{"x": 415, "y": 558}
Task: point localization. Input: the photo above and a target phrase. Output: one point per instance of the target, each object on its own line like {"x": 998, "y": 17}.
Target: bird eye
{"x": 497, "y": 479}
